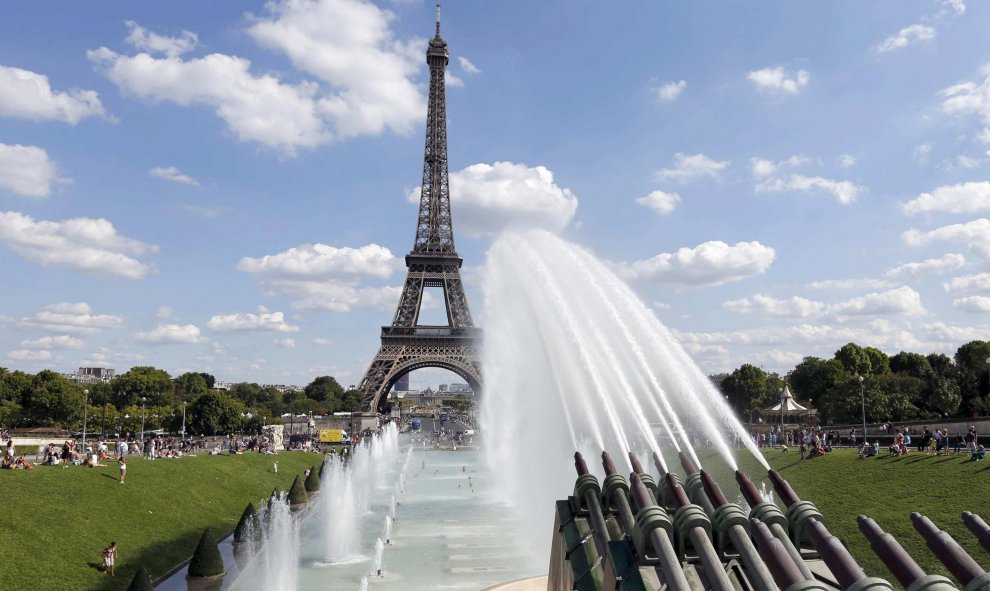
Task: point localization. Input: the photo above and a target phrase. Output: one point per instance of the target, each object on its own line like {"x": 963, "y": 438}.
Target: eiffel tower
{"x": 433, "y": 262}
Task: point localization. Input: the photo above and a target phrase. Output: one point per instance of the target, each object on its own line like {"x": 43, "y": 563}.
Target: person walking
{"x": 109, "y": 558}
{"x": 122, "y": 462}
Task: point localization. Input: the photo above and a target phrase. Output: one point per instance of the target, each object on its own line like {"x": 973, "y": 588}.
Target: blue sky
{"x": 224, "y": 187}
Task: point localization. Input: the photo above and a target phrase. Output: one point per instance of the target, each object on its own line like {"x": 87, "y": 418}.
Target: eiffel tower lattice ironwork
{"x": 433, "y": 262}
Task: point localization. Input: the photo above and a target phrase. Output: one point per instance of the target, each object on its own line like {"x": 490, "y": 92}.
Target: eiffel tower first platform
{"x": 433, "y": 262}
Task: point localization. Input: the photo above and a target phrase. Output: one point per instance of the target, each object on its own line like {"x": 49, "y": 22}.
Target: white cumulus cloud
{"x": 971, "y": 98}
{"x": 794, "y": 306}
{"x": 322, "y": 261}
{"x": 172, "y": 334}
{"x": 263, "y": 321}
{"x": 171, "y": 173}
{"x": 71, "y": 317}
{"x": 467, "y": 66}
{"x": 901, "y": 301}
{"x": 489, "y": 198}
{"x": 660, "y": 202}
{"x": 968, "y": 197}
{"x": 285, "y": 343}
{"x": 670, "y": 90}
{"x": 27, "y": 171}
{"x": 29, "y": 95}
{"x": 688, "y": 167}
{"x": 969, "y": 283}
{"x": 29, "y": 355}
{"x": 844, "y": 192}
{"x": 144, "y": 40}
{"x": 916, "y": 33}
{"x": 779, "y": 80}
{"x": 710, "y": 263}
{"x": 349, "y": 45}
{"x": 82, "y": 244}
{"x": 939, "y": 266}
{"x": 58, "y": 342}
{"x": 975, "y": 235}
{"x": 972, "y": 304}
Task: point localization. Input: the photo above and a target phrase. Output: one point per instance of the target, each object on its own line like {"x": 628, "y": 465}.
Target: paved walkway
{"x": 531, "y": 584}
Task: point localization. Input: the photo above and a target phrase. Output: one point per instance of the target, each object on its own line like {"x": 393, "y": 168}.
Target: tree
{"x": 214, "y": 412}
{"x": 814, "y": 378}
{"x": 190, "y": 385}
{"x": 971, "y": 362}
{"x": 944, "y": 396}
{"x": 879, "y": 362}
{"x": 211, "y": 381}
{"x": 854, "y": 359}
{"x": 54, "y": 400}
{"x": 912, "y": 364}
{"x": 748, "y": 388}
{"x": 351, "y": 401}
{"x": 325, "y": 389}
{"x": 206, "y": 560}
{"x": 10, "y": 413}
{"x": 143, "y": 382}
{"x": 14, "y": 385}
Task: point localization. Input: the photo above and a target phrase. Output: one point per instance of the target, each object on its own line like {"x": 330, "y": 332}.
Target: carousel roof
{"x": 789, "y": 405}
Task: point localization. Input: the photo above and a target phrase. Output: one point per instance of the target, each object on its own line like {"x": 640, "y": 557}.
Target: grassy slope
{"x": 55, "y": 521}
{"x": 886, "y": 489}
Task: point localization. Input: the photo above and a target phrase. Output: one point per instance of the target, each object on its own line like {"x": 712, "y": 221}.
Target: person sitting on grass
{"x": 864, "y": 450}
{"x": 21, "y": 463}
{"x": 978, "y": 454}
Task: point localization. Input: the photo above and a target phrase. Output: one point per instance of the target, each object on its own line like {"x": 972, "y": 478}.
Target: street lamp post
{"x": 184, "y": 421}
{"x": 862, "y": 401}
{"x": 85, "y": 414}
{"x": 782, "y": 399}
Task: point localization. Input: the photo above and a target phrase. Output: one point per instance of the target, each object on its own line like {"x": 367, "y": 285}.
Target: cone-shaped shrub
{"x": 249, "y": 527}
{"x": 141, "y": 581}
{"x": 313, "y": 481}
{"x": 297, "y": 494}
{"x": 323, "y": 467}
{"x": 206, "y": 561}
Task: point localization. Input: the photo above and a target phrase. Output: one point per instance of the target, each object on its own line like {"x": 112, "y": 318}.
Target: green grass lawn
{"x": 54, "y": 522}
{"x": 887, "y": 489}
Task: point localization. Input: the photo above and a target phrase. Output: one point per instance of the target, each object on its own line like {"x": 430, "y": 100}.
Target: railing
{"x": 429, "y": 331}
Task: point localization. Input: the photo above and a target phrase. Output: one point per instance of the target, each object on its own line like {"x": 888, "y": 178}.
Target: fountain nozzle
{"x": 579, "y": 464}
{"x": 608, "y": 464}
{"x": 949, "y": 552}
{"x": 748, "y": 489}
{"x": 634, "y": 462}
{"x": 689, "y": 466}
{"x": 640, "y": 494}
{"x": 659, "y": 464}
{"x": 712, "y": 490}
{"x": 676, "y": 490}
{"x": 783, "y": 488}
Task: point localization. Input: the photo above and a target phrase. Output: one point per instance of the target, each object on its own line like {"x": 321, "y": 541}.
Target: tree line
{"x": 900, "y": 387}
{"x": 150, "y": 396}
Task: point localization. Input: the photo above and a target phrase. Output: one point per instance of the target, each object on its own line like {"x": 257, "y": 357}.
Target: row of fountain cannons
{"x": 619, "y": 535}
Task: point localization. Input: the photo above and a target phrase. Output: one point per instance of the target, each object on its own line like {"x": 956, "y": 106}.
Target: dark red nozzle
{"x": 748, "y": 489}
{"x": 836, "y": 557}
{"x": 608, "y": 464}
{"x": 579, "y": 464}
{"x": 782, "y": 567}
{"x": 686, "y": 463}
{"x": 634, "y": 462}
{"x": 712, "y": 490}
{"x": 900, "y": 563}
{"x": 659, "y": 464}
{"x": 784, "y": 490}
{"x": 640, "y": 494}
{"x": 949, "y": 552}
{"x": 680, "y": 497}
{"x": 979, "y": 528}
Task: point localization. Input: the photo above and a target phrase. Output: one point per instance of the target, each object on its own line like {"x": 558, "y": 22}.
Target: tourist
{"x": 10, "y": 449}
{"x": 978, "y": 453}
{"x": 804, "y": 448}
{"x": 971, "y": 439}
{"x": 275, "y": 467}
{"x": 122, "y": 462}
{"x": 109, "y": 558}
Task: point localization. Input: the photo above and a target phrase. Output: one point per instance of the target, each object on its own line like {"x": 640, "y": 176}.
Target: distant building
{"x": 282, "y": 388}
{"x": 401, "y": 384}
{"x": 92, "y": 375}
{"x": 218, "y": 385}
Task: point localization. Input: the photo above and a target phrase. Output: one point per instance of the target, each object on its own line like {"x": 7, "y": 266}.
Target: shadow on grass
{"x": 159, "y": 559}
{"x": 96, "y": 566}
{"x": 943, "y": 460}
{"x": 111, "y": 477}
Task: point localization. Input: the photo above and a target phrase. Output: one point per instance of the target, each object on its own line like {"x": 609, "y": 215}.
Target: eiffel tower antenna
{"x": 433, "y": 262}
